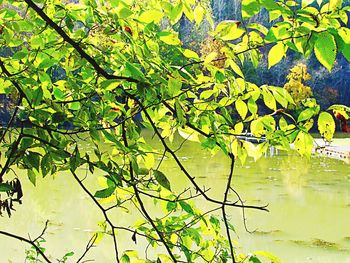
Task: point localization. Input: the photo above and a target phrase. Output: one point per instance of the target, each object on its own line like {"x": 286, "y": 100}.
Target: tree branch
{"x": 142, "y": 207}
{"x": 31, "y": 242}
{"x": 76, "y": 45}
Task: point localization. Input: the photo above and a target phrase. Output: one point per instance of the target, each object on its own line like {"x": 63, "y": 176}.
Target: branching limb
{"x": 140, "y": 202}
{"x": 110, "y": 223}
{"x": 75, "y": 45}
{"x": 183, "y": 169}
{"x": 30, "y": 242}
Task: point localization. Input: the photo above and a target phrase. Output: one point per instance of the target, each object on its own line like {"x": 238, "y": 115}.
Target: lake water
{"x": 309, "y": 203}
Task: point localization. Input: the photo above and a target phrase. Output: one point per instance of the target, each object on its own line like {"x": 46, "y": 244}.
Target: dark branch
{"x": 75, "y": 45}
{"x": 31, "y": 242}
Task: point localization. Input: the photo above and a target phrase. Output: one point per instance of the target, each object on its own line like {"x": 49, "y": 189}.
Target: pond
{"x": 309, "y": 203}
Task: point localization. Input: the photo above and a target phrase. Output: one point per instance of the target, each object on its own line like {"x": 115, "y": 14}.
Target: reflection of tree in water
{"x": 294, "y": 169}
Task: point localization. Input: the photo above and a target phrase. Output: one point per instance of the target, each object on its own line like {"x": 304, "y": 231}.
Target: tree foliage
{"x": 295, "y": 86}
{"x": 102, "y": 71}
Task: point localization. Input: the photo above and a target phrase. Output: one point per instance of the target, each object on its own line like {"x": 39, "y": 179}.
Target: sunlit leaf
{"x": 276, "y": 54}
{"x": 325, "y": 50}
{"x": 326, "y": 125}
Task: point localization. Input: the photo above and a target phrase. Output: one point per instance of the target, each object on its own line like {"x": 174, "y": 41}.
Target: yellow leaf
{"x": 268, "y": 255}
{"x": 149, "y": 160}
{"x": 235, "y": 68}
{"x": 198, "y": 14}
{"x": 151, "y": 16}
{"x": 276, "y": 53}
{"x": 242, "y": 108}
{"x": 229, "y": 30}
{"x": 210, "y": 57}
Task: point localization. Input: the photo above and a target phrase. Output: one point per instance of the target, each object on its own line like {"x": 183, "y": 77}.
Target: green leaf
{"x": 186, "y": 207}
{"x": 254, "y": 259}
{"x": 58, "y": 117}
{"x": 59, "y": 94}
{"x": 134, "y": 71}
{"x": 151, "y": 16}
{"x": 210, "y": 57}
{"x": 74, "y": 160}
{"x": 69, "y": 254}
{"x": 124, "y": 13}
{"x": 32, "y": 160}
{"x": 344, "y": 33}
{"x": 161, "y": 179}
{"x": 174, "y": 86}
{"x": 74, "y": 105}
{"x": 37, "y": 42}
{"x": 190, "y": 54}
{"x": 176, "y": 13}
{"x": 346, "y": 51}
{"x": 276, "y": 54}
{"x": 306, "y": 114}
{"x": 180, "y": 114}
{"x": 235, "y": 68}
{"x": 105, "y": 192}
{"x": 37, "y": 96}
{"x": 46, "y": 163}
{"x": 171, "y": 206}
{"x": 31, "y": 176}
{"x": 250, "y": 8}
{"x": 326, "y": 125}
{"x": 325, "y": 49}
{"x": 125, "y": 259}
{"x": 4, "y": 187}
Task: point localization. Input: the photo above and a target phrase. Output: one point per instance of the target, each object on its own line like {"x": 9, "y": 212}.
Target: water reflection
{"x": 309, "y": 202}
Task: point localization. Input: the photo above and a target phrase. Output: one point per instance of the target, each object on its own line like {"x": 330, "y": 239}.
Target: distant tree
{"x": 296, "y": 87}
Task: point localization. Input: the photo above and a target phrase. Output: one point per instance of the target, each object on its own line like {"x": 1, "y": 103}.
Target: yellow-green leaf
{"x": 272, "y": 258}
{"x": 169, "y": 38}
{"x": 276, "y": 53}
{"x": 210, "y": 57}
{"x": 325, "y": 50}
{"x": 235, "y": 68}
{"x": 190, "y": 54}
{"x": 198, "y": 14}
{"x": 229, "y": 30}
{"x": 326, "y": 125}
{"x": 241, "y": 108}
{"x": 344, "y": 33}
{"x": 304, "y": 143}
{"x": 151, "y": 16}
{"x": 305, "y": 3}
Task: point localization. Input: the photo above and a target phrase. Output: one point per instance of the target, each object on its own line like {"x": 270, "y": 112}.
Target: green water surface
{"x": 309, "y": 203}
